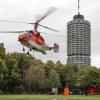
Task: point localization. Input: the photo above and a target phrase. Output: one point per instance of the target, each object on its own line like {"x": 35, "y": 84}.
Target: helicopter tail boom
{"x": 55, "y": 48}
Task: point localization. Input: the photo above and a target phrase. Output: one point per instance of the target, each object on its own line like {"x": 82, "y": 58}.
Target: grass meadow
{"x": 48, "y": 97}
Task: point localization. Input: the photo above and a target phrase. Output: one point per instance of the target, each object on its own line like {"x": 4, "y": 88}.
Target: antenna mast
{"x": 78, "y": 7}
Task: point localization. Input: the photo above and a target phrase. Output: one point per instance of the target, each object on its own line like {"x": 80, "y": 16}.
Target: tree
{"x": 13, "y": 76}
{"x": 68, "y": 75}
{"x": 35, "y": 76}
{"x": 54, "y": 79}
{"x": 59, "y": 67}
{"x": 3, "y": 71}
{"x": 48, "y": 66}
{"x": 23, "y": 63}
{"x": 99, "y": 77}
{"x": 2, "y": 51}
{"x": 88, "y": 77}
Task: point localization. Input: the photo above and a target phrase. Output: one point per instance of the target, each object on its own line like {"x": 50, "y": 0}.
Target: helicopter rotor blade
{"x": 48, "y": 28}
{"x": 49, "y": 11}
{"x": 11, "y": 21}
{"x": 58, "y": 35}
{"x": 18, "y": 32}
{"x": 28, "y": 31}
{"x": 11, "y": 31}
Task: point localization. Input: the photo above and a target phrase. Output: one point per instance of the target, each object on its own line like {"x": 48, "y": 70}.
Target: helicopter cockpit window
{"x": 26, "y": 34}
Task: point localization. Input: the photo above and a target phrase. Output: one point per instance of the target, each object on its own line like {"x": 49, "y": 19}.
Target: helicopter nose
{"x": 21, "y": 38}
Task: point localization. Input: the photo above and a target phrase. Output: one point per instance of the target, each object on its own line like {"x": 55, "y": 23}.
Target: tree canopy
{"x": 22, "y": 73}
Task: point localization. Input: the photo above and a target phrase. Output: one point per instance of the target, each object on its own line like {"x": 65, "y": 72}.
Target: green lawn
{"x": 47, "y": 97}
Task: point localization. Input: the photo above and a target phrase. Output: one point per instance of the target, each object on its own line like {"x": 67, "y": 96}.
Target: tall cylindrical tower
{"x": 78, "y": 41}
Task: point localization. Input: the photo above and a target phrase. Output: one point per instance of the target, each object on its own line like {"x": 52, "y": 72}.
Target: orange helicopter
{"x": 32, "y": 38}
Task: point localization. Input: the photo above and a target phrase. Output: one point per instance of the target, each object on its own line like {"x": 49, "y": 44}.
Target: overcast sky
{"x": 27, "y": 10}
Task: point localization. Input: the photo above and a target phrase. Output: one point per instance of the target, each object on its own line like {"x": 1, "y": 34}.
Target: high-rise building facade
{"x": 79, "y": 41}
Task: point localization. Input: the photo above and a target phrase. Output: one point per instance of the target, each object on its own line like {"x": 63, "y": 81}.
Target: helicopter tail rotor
{"x": 56, "y": 48}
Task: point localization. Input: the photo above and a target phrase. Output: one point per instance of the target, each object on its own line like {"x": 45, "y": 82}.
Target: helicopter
{"x": 33, "y": 38}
